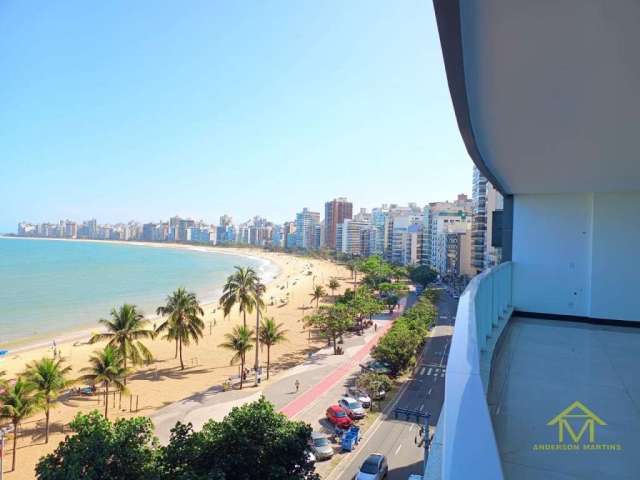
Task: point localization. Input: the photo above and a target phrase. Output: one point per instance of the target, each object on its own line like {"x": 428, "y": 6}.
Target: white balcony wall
{"x": 576, "y": 254}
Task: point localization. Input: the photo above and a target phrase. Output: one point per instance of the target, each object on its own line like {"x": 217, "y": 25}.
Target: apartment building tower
{"x": 336, "y": 212}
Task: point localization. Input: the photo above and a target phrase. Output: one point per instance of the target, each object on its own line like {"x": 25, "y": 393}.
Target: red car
{"x": 338, "y": 416}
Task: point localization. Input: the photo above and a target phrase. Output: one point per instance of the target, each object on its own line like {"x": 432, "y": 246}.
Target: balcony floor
{"x": 539, "y": 369}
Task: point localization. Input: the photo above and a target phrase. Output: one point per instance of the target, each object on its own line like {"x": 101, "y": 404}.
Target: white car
{"x": 375, "y": 467}
{"x": 360, "y": 396}
{"x": 352, "y": 407}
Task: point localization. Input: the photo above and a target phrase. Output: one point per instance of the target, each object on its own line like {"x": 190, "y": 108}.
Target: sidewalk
{"x": 316, "y": 376}
{"x": 302, "y": 401}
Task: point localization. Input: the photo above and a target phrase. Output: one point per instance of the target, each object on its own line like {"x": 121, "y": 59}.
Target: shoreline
{"x": 81, "y": 333}
{"x": 207, "y": 362}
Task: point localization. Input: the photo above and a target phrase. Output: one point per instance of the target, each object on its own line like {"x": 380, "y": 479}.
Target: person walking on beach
{"x": 297, "y": 385}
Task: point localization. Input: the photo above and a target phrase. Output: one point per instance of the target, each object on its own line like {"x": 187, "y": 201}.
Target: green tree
{"x": 334, "y": 284}
{"x": 106, "y": 368}
{"x": 364, "y": 304}
{"x": 271, "y": 333}
{"x": 423, "y": 275}
{"x": 253, "y": 441}
{"x": 239, "y": 342}
{"x": 373, "y": 383}
{"x": 333, "y": 322}
{"x": 18, "y": 402}
{"x": 49, "y": 377}
{"x": 399, "y": 272}
{"x": 184, "y": 319}
{"x": 318, "y": 293}
{"x": 397, "y": 348}
{"x": 100, "y": 449}
{"x": 258, "y": 291}
{"x": 391, "y": 301}
{"x": 240, "y": 290}
{"x": 124, "y": 331}
{"x": 376, "y": 271}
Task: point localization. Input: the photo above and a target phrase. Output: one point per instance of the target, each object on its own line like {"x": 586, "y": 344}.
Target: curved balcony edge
{"x": 465, "y": 444}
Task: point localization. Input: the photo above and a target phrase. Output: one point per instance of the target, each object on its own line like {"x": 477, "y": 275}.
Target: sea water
{"x": 49, "y": 288}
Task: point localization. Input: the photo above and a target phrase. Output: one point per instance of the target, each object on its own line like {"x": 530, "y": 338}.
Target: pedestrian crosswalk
{"x": 433, "y": 370}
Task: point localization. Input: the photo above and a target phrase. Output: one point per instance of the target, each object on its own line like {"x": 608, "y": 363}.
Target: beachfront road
{"x": 424, "y": 392}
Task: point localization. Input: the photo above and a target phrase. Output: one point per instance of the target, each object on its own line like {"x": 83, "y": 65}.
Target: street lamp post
{"x": 3, "y": 432}
{"x": 425, "y": 416}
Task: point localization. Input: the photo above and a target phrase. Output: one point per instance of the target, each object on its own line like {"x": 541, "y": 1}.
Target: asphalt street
{"x": 424, "y": 392}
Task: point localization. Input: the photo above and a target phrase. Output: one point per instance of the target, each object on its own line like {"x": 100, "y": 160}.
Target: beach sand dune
{"x": 161, "y": 383}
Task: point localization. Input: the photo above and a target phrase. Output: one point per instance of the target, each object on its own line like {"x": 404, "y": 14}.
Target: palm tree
{"x": 271, "y": 333}
{"x": 240, "y": 289}
{"x": 19, "y": 401}
{"x": 258, "y": 290}
{"x": 239, "y": 341}
{"x": 184, "y": 322}
{"x": 318, "y": 293}
{"x": 333, "y": 285}
{"x": 49, "y": 376}
{"x": 124, "y": 331}
{"x": 106, "y": 367}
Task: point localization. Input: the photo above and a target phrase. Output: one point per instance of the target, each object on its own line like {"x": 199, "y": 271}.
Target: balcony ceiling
{"x": 552, "y": 91}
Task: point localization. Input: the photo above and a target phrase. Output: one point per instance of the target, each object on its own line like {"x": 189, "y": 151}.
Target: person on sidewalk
{"x": 297, "y": 385}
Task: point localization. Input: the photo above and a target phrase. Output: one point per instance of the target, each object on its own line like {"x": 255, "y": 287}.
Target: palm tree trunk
{"x": 47, "y": 411}
{"x": 124, "y": 358}
{"x": 241, "y": 370}
{"x": 176, "y": 355}
{"x": 181, "y": 362}
{"x": 244, "y": 318}
{"x": 268, "y": 359}
{"x": 106, "y": 399}
{"x": 257, "y": 364}
{"x": 15, "y": 446}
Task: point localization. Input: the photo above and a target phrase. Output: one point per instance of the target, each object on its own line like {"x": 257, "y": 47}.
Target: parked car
{"x": 377, "y": 367}
{"x": 360, "y": 396}
{"x": 321, "y": 446}
{"x": 375, "y": 467}
{"x": 311, "y": 456}
{"x": 352, "y": 407}
{"x": 337, "y": 416}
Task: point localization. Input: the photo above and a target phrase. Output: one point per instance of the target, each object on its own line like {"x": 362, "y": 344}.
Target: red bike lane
{"x": 296, "y": 406}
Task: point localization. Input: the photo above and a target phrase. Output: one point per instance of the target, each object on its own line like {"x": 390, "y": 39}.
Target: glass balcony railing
{"x": 465, "y": 443}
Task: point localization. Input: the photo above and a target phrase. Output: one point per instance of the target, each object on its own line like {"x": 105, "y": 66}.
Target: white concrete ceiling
{"x": 554, "y": 92}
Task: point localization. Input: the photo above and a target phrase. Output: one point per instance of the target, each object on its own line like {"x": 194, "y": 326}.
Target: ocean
{"x": 50, "y": 288}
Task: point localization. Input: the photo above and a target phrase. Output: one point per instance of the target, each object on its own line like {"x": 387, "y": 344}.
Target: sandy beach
{"x": 161, "y": 383}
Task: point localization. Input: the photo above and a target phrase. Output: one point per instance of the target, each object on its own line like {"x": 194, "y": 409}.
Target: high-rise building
{"x": 289, "y": 235}
{"x": 437, "y": 217}
{"x": 406, "y": 239}
{"x": 486, "y": 201}
{"x": 70, "y": 229}
{"x": 479, "y": 224}
{"x": 335, "y": 212}
{"x": 379, "y": 222}
{"x": 349, "y": 237}
{"x": 306, "y": 222}
{"x": 451, "y": 252}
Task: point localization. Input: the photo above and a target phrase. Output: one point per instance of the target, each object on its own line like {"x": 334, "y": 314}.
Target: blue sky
{"x": 141, "y": 110}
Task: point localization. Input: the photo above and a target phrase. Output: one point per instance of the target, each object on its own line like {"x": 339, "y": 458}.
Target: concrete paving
{"x": 540, "y": 369}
